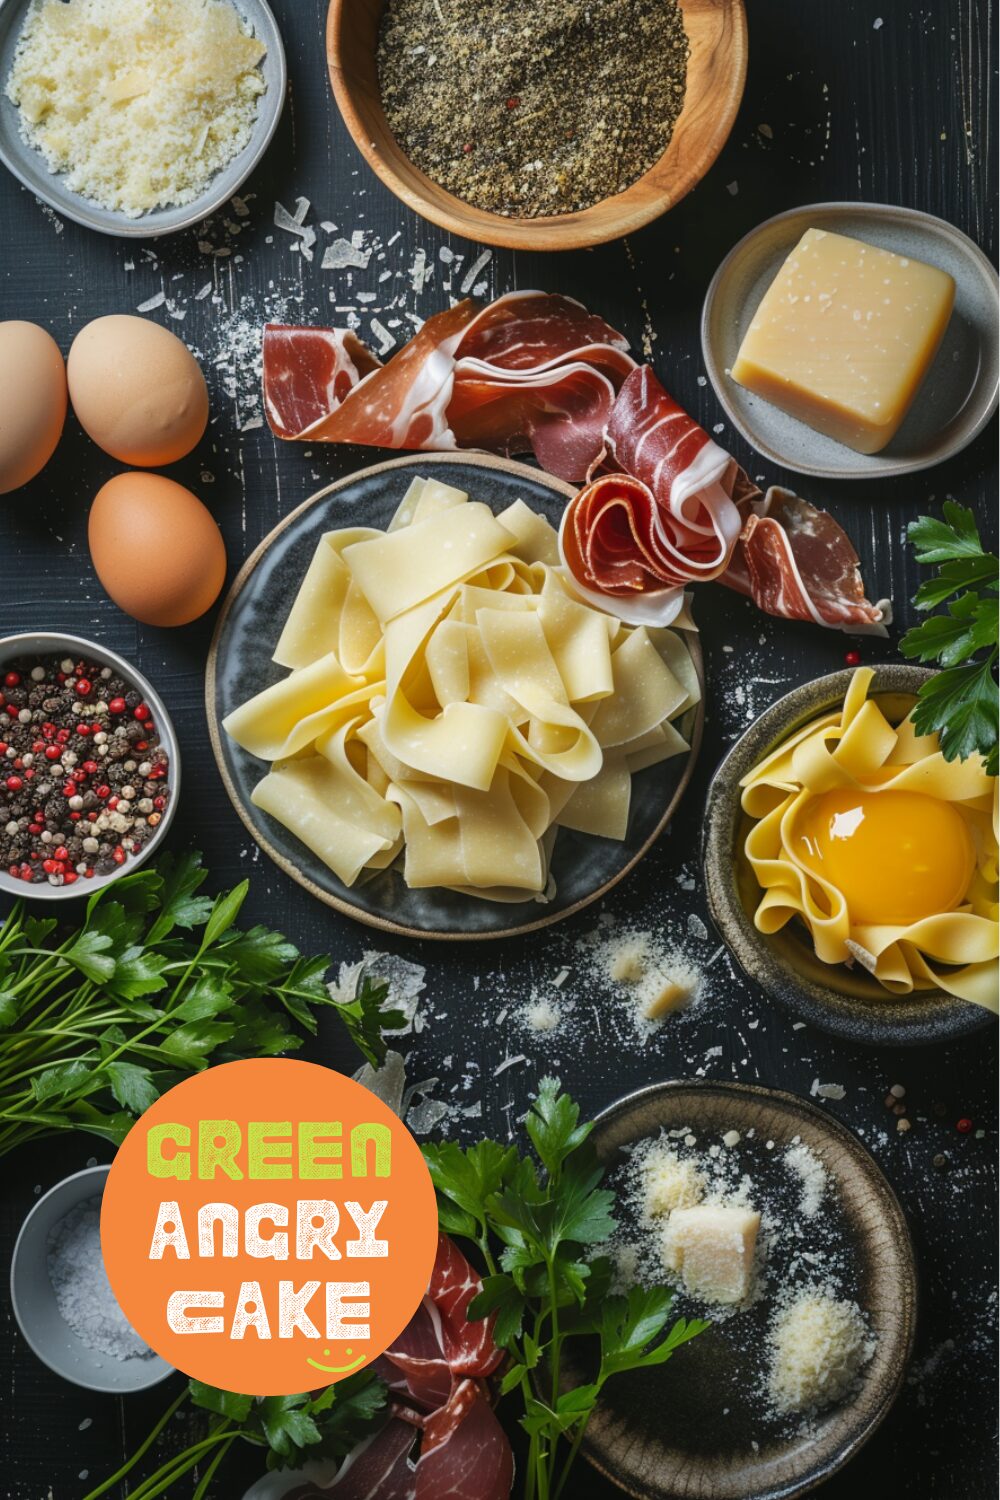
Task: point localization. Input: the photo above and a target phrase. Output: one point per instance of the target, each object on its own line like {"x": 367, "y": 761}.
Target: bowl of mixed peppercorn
{"x": 89, "y": 768}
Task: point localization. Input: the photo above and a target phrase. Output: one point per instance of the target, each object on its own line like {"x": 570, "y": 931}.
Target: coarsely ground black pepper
{"x": 530, "y": 107}
{"x": 83, "y": 776}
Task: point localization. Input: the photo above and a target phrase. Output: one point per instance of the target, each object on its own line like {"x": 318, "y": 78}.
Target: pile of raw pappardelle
{"x": 451, "y": 700}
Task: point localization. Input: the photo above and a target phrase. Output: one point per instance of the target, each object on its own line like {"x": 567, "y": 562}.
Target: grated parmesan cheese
{"x": 819, "y": 1344}
{"x": 627, "y": 960}
{"x": 669, "y": 1183}
{"x": 139, "y": 102}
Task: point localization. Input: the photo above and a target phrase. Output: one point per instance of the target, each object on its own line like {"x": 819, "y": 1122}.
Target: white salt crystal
{"x": 83, "y": 1292}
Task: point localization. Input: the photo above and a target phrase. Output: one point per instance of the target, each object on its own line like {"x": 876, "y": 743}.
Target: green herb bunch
{"x": 537, "y": 1221}
{"x": 155, "y": 984}
{"x": 293, "y": 1429}
{"x": 961, "y": 702}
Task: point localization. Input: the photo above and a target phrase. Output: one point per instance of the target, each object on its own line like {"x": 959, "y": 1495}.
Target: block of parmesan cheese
{"x": 711, "y": 1246}
{"x": 844, "y": 336}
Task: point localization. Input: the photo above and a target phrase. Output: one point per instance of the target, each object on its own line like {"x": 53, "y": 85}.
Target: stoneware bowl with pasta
{"x": 846, "y": 1001}
{"x": 417, "y": 719}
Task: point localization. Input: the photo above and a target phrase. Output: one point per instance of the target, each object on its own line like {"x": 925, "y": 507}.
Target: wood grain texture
{"x": 716, "y": 73}
{"x": 899, "y": 112}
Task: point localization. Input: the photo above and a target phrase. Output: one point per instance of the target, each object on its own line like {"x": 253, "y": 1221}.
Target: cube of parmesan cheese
{"x": 844, "y": 336}
{"x": 712, "y": 1247}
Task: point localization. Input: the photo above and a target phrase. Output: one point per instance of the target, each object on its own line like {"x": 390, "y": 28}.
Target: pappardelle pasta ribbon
{"x": 937, "y": 822}
{"x": 452, "y": 701}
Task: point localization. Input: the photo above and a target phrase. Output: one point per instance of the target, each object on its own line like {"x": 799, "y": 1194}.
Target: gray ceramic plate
{"x": 37, "y": 1312}
{"x": 959, "y": 394}
{"x": 239, "y": 665}
{"x": 847, "y": 1003}
{"x": 686, "y": 1430}
{"x": 30, "y": 166}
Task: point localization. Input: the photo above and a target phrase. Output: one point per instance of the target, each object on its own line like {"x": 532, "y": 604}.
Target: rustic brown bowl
{"x": 846, "y": 1003}
{"x": 693, "y": 1428}
{"x": 717, "y": 32}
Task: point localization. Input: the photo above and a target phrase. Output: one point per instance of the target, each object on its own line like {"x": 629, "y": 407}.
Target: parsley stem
{"x": 130, "y": 1464}
{"x": 571, "y": 1457}
{"x": 556, "y": 1339}
{"x": 202, "y": 1490}
{"x": 182, "y": 1463}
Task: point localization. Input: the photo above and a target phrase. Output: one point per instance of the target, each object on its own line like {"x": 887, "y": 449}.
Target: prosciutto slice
{"x": 529, "y": 373}
{"x": 664, "y": 506}
{"x": 787, "y": 541}
{"x": 442, "y": 1440}
{"x": 683, "y": 512}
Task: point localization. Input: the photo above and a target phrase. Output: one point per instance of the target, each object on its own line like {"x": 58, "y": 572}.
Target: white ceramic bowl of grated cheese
{"x": 152, "y": 138}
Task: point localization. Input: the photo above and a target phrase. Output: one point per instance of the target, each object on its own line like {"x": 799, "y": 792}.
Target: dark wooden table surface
{"x": 883, "y": 100}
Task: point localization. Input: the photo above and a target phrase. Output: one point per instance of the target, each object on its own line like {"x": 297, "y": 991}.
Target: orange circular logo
{"x": 269, "y": 1227}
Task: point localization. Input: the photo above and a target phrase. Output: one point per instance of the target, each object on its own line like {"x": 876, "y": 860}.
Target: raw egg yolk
{"x": 895, "y": 857}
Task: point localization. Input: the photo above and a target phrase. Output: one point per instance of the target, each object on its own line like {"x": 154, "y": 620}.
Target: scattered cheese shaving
{"x": 628, "y": 962}
{"x": 670, "y": 996}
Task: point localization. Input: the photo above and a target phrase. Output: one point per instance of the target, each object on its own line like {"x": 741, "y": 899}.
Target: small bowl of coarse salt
{"x": 62, "y": 1299}
{"x": 89, "y": 767}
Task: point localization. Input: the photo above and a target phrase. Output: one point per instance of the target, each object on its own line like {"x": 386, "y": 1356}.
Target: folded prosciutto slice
{"x": 529, "y": 373}
{"x": 664, "y": 507}
{"x": 442, "y": 1440}
{"x": 682, "y": 511}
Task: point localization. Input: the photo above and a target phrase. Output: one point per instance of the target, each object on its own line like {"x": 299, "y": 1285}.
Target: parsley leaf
{"x": 970, "y": 625}
{"x": 537, "y": 1220}
{"x": 960, "y": 703}
{"x": 132, "y": 1086}
{"x": 155, "y": 982}
{"x": 293, "y": 1429}
{"x": 955, "y": 535}
{"x": 366, "y": 1020}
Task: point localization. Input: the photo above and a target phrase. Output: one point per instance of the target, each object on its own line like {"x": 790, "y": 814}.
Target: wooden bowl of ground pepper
{"x": 538, "y": 124}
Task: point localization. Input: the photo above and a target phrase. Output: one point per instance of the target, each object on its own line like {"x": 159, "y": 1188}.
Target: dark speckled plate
{"x": 239, "y": 665}
{"x": 686, "y": 1430}
{"x": 847, "y": 1003}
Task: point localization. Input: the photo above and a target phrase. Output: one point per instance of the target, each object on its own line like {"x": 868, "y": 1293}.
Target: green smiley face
{"x": 337, "y": 1369}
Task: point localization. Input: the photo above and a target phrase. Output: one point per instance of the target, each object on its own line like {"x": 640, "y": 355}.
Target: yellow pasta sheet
{"x": 858, "y": 750}
{"x": 451, "y": 703}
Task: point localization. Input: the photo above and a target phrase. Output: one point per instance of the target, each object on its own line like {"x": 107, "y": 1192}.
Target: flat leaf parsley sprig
{"x": 961, "y": 702}
{"x": 536, "y": 1221}
{"x": 155, "y": 984}
{"x": 291, "y": 1429}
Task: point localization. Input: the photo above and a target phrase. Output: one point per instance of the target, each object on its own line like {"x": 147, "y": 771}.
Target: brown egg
{"x": 137, "y": 390}
{"x": 32, "y": 402}
{"x": 156, "y": 549}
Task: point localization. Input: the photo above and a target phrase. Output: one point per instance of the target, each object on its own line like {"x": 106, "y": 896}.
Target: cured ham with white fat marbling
{"x": 663, "y": 505}
{"x": 442, "y": 1440}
